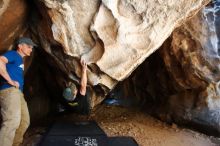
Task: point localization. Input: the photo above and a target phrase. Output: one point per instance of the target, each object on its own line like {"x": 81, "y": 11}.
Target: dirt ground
{"x": 146, "y": 130}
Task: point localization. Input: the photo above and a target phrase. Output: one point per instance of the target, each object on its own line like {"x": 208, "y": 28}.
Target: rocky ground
{"x": 146, "y": 130}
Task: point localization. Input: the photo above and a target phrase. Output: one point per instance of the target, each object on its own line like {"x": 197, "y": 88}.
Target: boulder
{"x": 114, "y": 37}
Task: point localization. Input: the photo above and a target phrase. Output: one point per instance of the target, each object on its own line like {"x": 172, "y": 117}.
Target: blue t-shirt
{"x": 15, "y": 69}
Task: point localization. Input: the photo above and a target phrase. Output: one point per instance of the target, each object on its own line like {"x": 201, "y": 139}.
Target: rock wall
{"x": 13, "y": 14}
{"x": 193, "y": 63}
{"x": 180, "y": 82}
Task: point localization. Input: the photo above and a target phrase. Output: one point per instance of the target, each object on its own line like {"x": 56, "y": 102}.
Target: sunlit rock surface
{"x": 116, "y": 35}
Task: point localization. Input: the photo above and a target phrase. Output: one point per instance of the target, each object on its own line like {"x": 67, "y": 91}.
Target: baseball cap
{"x": 25, "y": 40}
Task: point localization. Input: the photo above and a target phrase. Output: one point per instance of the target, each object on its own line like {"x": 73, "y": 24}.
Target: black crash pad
{"x": 88, "y": 141}
{"x": 76, "y": 128}
{"x": 75, "y": 141}
{"x": 122, "y": 141}
{"x": 68, "y": 133}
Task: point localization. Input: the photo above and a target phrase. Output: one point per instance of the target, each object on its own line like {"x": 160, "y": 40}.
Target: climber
{"x": 14, "y": 110}
{"x": 79, "y": 99}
